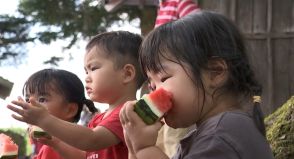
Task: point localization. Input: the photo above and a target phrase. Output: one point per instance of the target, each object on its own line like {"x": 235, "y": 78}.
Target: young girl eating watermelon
{"x": 201, "y": 60}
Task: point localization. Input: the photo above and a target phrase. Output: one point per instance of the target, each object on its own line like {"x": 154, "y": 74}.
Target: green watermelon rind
{"x": 41, "y": 134}
{"x": 145, "y": 113}
{"x": 9, "y": 157}
{"x": 38, "y": 132}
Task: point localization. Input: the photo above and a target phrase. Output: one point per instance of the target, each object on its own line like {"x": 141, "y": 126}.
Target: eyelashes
{"x": 164, "y": 79}
{"x": 40, "y": 100}
{"x": 152, "y": 86}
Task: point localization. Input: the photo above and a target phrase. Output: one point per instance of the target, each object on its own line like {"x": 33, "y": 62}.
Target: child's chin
{"x": 171, "y": 123}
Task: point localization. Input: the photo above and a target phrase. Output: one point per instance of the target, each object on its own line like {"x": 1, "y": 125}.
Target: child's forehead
{"x": 97, "y": 53}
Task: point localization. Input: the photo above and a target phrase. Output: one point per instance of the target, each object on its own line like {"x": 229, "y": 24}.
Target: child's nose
{"x": 87, "y": 79}
{"x": 32, "y": 98}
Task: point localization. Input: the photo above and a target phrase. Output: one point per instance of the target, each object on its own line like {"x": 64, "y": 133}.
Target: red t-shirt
{"x": 47, "y": 152}
{"x": 112, "y": 123}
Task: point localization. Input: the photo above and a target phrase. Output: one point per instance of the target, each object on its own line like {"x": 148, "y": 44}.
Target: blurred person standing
{"x": 170, "y": 10}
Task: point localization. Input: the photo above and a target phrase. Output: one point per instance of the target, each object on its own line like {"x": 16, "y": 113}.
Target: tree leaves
{"x": 69, "y": 20}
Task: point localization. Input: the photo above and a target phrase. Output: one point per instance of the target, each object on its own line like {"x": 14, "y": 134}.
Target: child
{"x": 201, "y": 60}
{"x": 113, "y": 77}
{"x": 62, "y": 93}
{"x": 169, "y": 10}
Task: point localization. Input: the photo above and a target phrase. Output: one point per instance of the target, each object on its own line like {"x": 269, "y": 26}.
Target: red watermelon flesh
{"x": 161, "y": 99}
{"x": 151, "y": 107}
{"x": 8, "y": 149}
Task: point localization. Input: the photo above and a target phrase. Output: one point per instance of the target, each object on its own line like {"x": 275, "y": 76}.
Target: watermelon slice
{"x": 37, "y": 132}
{"x": 8, "y": 149}
{"x": 151, "y": 107}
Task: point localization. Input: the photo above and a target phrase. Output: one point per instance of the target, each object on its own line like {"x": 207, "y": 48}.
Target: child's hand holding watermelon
{"x": 150, "y": 108}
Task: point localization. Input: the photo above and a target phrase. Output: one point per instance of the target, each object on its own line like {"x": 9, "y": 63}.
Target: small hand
{"x": 31, "y": 113}
{"x": 45, "y": 141}
{"x": 138, "y": 135}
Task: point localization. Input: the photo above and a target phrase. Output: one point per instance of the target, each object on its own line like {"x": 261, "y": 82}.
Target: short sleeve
{"x": 211, "y": 147}
{"x": 113, "y": 124}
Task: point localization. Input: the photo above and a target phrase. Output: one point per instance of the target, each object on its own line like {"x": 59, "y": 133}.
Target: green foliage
{"x": 70, "y": 20}
{"x": 280, "y": 130}
{"x": 19, "y": 136}
{"x": 13, "y": 34}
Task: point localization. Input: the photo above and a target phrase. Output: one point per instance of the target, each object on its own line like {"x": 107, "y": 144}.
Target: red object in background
{"x": 36, "y": 146}
{"x": 8, "y": 149}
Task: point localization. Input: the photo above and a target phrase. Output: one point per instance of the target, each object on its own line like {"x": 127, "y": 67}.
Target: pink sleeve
{"x": 186, "y": 7}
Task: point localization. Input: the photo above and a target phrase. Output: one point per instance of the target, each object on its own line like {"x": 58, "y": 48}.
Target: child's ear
{"x": 71, "y": 111}
{"x": 217, "y": 72}
{"x": 129, "y": 73}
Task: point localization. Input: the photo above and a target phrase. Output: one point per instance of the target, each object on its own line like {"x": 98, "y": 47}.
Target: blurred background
{"x": 37, "y": 34}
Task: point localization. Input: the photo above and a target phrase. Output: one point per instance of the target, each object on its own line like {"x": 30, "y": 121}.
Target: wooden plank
{"x": 269, "y": 57}
{"x": 260, "y": 16}
{"x": 283, "y": 16}
{"x": 292, "y": 16}
{"x": 257, "y": 53}
{"x": 282, "y": 66}
{"x": 291, "y": 67}
{"x": 225, "y": 7}
{"x": 269, "y": 35}
{"x": 211, "y": 5}
{"x": 244, "y": 17}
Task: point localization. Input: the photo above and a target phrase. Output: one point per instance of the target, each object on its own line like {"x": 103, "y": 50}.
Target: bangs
{"x": 38, "y": 85}
{"x": 154, "y": 48}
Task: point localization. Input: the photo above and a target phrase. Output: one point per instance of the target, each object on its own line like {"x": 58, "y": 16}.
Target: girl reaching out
{"x": 201, "y": 60}
{"x": 62, "y": 94}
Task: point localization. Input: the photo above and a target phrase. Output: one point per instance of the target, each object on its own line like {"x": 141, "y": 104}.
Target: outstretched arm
{"x": 140, "y": 138}
{"x": 75, "y": 135}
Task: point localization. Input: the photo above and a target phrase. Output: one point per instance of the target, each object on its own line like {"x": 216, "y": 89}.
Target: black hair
{"x": 63, "y": 82}
{"x": 197, "y": 38}
{"x": 122, "y": 47}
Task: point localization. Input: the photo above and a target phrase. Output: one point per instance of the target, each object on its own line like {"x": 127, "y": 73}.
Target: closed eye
{"x": 94, "y": 68}
{"x": 164, "y": 79}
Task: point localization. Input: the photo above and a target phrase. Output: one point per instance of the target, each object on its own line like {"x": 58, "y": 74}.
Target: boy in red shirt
{"x": 113, "y": 77}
